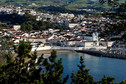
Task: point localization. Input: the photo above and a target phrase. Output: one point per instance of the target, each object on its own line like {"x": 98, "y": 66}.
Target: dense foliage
{"x": 28, "y": 22}
{"x": 55, "y": 10}
{"x": 40, "y": 25}
{"x": 15, "y": 18}
{"x": 118, "y": 9}
{"x": 27, "y": 68}
{"x": 114, "y": 29}
{"x": 5, "y": 51}
{"x": 118, "y": 17}
{"x": 31, "y": 69}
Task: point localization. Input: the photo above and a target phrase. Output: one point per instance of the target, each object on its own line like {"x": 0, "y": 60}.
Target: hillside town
{"x": 83, "y": 31}
{"x": 62, "y": 41}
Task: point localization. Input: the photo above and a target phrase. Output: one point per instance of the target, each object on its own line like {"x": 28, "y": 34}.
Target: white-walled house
{"x": 106, "y": 43}
{"x": 16, "y": 41}
{"x": 67, "y": 15}
{"x": 26, "y": 35}
{"x": 45, "y": 31}
{"x": 93, "y": 37}
{"x": 33, "y": 39}
{"x": 16, "y": 27}
{"x": 88, "y": 43}
{"x": 70, "y": 43}
{"x": 54, "y": 41}
{"x": 50, "y": 37}
{"x": 72, "y": 25}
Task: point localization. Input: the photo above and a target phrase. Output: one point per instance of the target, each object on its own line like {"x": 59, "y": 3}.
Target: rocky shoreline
{"x": 104, "y": 54}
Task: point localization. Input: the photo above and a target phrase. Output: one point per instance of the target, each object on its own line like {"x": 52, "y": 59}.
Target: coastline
{"x": 103, "y": 54}
{"x": 109, "y": 54}
{"x": 49, "y": 51}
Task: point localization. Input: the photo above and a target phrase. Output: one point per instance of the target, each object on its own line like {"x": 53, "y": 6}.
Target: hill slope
{"x": 69, "y": 4}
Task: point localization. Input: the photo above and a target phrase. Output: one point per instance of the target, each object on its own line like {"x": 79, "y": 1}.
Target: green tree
{"x": 107, "y": 80}
{"x": 20, "y": 70}
{"x": 5, "y": 50}
{"x": 123, "y": 82}
{"x": 54, "y": 70}
{"x": 82, "y": 76}
{"x": 114, "y": 3}
{"x": 29, "y": 17}
{"x": 25, "y": 68}
{"x": 31, "y": 69}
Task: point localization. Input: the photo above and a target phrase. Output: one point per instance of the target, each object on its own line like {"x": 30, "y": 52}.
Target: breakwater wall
{"x": 106, "y": 53}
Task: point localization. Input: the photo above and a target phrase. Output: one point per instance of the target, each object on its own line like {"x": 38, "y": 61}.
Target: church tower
{"x": 95, "y": 36}
{"x": 19, "y": 10}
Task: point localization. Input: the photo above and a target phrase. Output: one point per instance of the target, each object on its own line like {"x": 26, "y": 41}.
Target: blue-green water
{"x": 98, "y": 65}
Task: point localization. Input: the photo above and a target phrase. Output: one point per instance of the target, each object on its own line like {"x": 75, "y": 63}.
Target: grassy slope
{"x": 73, "y": 4}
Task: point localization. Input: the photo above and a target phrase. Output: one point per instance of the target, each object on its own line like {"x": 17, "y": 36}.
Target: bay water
{"x": 99, "y": 66}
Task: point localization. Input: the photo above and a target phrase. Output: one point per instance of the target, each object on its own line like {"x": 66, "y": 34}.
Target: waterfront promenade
{"x": 97, "y": 51}
{"x": 66, "y": 48}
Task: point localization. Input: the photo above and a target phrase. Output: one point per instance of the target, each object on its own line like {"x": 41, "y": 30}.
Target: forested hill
{"x": 69, "y": 4}
{"x": 47, "y": 2}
